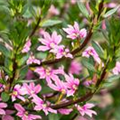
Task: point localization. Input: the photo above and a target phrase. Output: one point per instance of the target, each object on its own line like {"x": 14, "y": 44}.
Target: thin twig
{"x": 36, "y": 27}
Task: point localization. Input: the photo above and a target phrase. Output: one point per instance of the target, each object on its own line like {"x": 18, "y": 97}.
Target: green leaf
{"x": 45, "y": 6}
{"x": 28, "y": 11}
{"x": 54, "y": 116}
{"x": 5, "y": 51}
{"x": 49, "y": 22}
{"x": 98, "y": 49}
{"x": 22, "y": 60}
{"x": 23, "y": 72}
{"x": 83, "y": 9}
{"x": 88, "y": 65}
{"x": 2, "y": 81}
{"x": 5, "y": 96}
{"x": 110, "y": 12}
{"x": 113, "y": 78}
{"x": 8, "y": 64}
{"x": 6, "y": 70}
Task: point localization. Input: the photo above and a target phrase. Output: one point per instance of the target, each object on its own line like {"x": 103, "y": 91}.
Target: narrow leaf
{"x": 98, "y": 49}
{"x": 88, "y": 65}
{"x": 83, "y": 9}
{"x": 110, "y": 12}
{"x": 50, "y": 23}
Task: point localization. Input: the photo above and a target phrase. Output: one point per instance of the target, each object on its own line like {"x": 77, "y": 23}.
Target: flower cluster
{"x": 46, "y": 70}
{"x": 31, "y": 91}
{"x": 58, "y": 80}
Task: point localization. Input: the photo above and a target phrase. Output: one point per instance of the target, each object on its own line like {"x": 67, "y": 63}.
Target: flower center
{"x": 74, "y": 87}
{"x": 15, "y": 93}
{"x": 52, "y": 45}
{"x": 63, "y": 91}
{"x": 64, "y": 53}
{"x": 44, "y": 105}
{"x": 26, "y": 114}
{"x": 32, "y": 92}
{"x": 47, "y": 72}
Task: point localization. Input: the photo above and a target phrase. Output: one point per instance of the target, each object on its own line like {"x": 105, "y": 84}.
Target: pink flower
{"x": 61, "y": 51}
{"x": 24, "y": 115}
{"x": 17, "y": 92}
{"x": 49, "y": 42}
{"x": 8, "y": 116}
{"x": 32, "y": 60}
{"x": 73, "y": 1}
{"x": 111, "y": 5}
{"x": 74, "y": 31}
{"x": 48, "y": 73}
{"x": 41, "y": 32}
{"x": 65, "y": 111}
{"x": 2, "y": 106}
{"x": 26, "y": 47}
{"x": 116, "y": 69}
{"x": 53, "y": 10}
{"x": 103, "y": 25}
{"x": 75, "y": 67}
{"x": 72, "y": 84}
{"x": 85, "y": 109}
{"x": 87, "y": 83}
{"x": 90, "y": 51}
{"x": 32, "y": 89}
{"x": 40, "y": 105}
{"x": 58, "y": 85}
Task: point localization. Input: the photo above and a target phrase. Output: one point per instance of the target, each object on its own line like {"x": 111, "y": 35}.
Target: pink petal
{"x": 65, "y": 111}
{"x": 2, "y": 112}
{"x": 35, "y": 116}
{"x": 19, "y": 107}
{"x": 76, "y": 26}
{"x": 89, "y": 105}
{"x": 37, "y": 88}
{"x": 43, "y": 48}
{"x": 3, "y": 105}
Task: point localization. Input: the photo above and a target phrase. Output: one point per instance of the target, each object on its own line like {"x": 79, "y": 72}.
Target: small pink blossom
{"x": 17, "y": 92}
{"x": 88, "y": 8}
{"x": 32, "y": 89}
{"x": 85, "y": 109}
{"x": 48, "y": 73}
{"x": 61, "y": 51}
{"x": 24, "y": 115}
{"x": 40, "y": 105}
{"x": 111, "y": 5}
{"x": 2, "y": 106}
{"x": 116, "y": 69}
{"x": 87, "y": 83}
{"x": 103, "y": 25}
{"x": 65, "y": 111}
{"x": 73, "y": 1}
{"x": 26, "y": 47}
{"x": 90, "y": 51}
{"x": 53, "y": 10}
{"x": 8, "y": 114}
{"x": 58, "y": 85}
{"x": 32, "y": 60}
{"x": 74, "y": 31}
{"x": 72, "y": 84}
{"x": 49, "y": 42}
{"x": 41, "y": 31}
{"x": 75, "y": 67}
